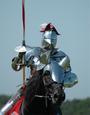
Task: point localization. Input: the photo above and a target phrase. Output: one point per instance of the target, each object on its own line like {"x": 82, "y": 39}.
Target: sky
{"x": 72, "y": 20}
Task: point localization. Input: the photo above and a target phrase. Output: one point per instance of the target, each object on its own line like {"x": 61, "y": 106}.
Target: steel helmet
{"x": 49, "y": 35}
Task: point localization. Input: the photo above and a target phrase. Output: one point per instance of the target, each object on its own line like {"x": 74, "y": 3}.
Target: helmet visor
{"x": 49, "y": 38}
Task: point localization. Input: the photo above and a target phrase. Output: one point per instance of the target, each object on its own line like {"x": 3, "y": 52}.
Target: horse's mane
{"x": 33, "y": 85}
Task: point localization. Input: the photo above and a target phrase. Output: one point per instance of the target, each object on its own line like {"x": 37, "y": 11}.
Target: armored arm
{"x": 60, "y": 69}
{"x": 70, "y": 78}
{"x": 65, "y": 63}
{"x": 31, "y": 59}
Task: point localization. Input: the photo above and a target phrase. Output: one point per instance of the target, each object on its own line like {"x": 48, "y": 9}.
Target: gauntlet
{"x": 17, "y": 62}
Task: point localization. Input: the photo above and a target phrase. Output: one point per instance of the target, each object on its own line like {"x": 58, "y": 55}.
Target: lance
{"x": 23, "y": 21}
{"x": 23, "y": 41}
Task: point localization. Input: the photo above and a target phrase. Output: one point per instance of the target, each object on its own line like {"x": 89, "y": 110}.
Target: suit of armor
{"x": 50, "y": 58}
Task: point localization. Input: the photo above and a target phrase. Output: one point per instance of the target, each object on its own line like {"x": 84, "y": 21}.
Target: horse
{"x": 43, "y": 96}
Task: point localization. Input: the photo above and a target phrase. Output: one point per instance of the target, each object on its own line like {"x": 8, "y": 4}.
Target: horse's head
{"x": 54, "y": 90}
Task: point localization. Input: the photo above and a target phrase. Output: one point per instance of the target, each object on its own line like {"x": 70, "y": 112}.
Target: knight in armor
{"x": 50, "y": 60}
{"x": 48, "y": 57}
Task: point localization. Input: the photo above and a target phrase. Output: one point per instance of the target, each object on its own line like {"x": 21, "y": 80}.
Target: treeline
{"x": 76, "y": 107}
{"x": 3, "y": 100}
{"x": 73, "y": 107}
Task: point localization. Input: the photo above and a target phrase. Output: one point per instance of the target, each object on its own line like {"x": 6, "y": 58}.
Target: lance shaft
{"x": 23, "y": 42}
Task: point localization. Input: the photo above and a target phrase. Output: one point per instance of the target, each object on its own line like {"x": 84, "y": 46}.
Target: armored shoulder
{"x": 61, "y": 53}
{"x": 58, "y": 55}
{"x": 30, "y": 54}
{"x": 33, "y": 52}
{"x": 62, "y": 59}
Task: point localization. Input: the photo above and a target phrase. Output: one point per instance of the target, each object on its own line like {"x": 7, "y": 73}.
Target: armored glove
{"x": 17, "y": 62}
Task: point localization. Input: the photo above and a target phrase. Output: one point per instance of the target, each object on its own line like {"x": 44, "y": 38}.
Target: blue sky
{"x": 72, "y": 20}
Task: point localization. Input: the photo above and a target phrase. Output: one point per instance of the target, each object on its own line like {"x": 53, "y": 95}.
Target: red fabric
{"x": 16, "y": 107}
{"x": 48, "y": 27}
{"x": 23, "y": 14}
